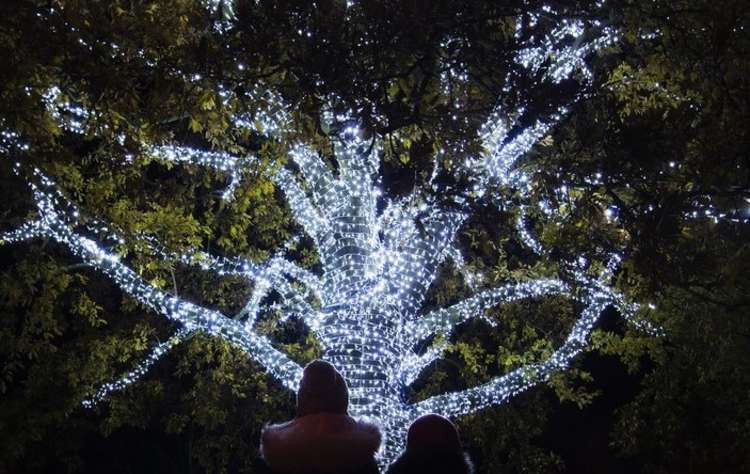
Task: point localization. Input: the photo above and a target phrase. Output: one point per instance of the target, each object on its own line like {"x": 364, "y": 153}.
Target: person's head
{"x": 322, "y": 390}
{"x": 432, "y": 447}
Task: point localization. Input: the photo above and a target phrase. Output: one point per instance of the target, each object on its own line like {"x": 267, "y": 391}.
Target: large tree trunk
{"x": 366, "y": 349}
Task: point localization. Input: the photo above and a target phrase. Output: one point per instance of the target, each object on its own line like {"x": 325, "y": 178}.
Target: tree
{"x": 376, "y": 266}
{"x": 372, "y": 264}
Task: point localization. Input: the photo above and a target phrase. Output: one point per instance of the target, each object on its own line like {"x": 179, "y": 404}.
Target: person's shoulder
{"x": 320, "y": 443}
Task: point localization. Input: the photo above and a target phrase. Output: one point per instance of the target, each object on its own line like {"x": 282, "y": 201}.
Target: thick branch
{"x": 191, "y": 316}
{"x": 417, "y": 239}
{"x": 305, "y": 213}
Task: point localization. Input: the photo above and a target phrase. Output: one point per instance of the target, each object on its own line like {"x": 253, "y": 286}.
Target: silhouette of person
{"x": 432, "y": 447}
{"x": 322, "y": 438}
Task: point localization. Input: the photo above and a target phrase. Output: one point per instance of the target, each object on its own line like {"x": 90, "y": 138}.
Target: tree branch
{"x": 27, "y": 231}
{"x": 413, "y": 364}
{"x": 445, "y": 320}
{"x": 55, "y": 224}
{"x": 305, "y": 213}
{"x": 316, "y": 174}
{"x": 502, "y": 388}
{"x": 419, "y": 237}
{"x": 294, "y": 302}
{"x": 559, "y": 63}
{"x": 217, "y": 161}
{"x": 140, "y": 370}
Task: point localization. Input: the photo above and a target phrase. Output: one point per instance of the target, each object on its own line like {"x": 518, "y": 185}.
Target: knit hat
{"x": 322, "y": 390}
{"x": 433, "y": 432}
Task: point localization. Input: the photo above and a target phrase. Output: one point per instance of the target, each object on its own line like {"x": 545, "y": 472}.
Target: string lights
{"x": 365, "y": 306}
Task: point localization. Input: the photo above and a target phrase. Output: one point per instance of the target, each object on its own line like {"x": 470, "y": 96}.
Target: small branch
{"x": 502, "y": 388}
{"x": 413, "y": 365}
{"x": 444, "y": 321}
{"x": 217, "y": 161}
{"x": 76, "y": 266}
{"x": 27, "y": 231}
{"x": 140, "y": 370}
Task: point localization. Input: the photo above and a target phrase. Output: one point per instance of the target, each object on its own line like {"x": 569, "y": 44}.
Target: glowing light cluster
{"x": 68, "y": 115}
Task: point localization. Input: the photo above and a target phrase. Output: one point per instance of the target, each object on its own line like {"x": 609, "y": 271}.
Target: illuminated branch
{"x": 560, "y": 62}
{"x": 28, "y": 230}
{"x": 217, "y": 161}
{"x": 499, "y": 156}
{"x": 269, "y": 276}
{"x": 502, "y": 388}
{"x": 275, "y": 268}
{"x": 56, "y": 225}
{"x": 305, "y": 213}
{"x": 419, "y": 238}
{"x": 316, "y": 174}
{"x": 526, "y": 236}
{"x": 348, "y": 253}
{"x": 140, "y": 370}
{"x": 413, "y": 364}
{"x": 294, "y": 302}
{"x": 444, "y": 321}
{"x": 310, "y": 280}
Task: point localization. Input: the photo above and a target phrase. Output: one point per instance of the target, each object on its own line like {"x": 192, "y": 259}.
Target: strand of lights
{"x": 69, "y": 116}
{"x": 218, "y": 161}
{"x": 502, "y": 388}
{"x": 140, "y": 370}
{"x": 57, "y": 224}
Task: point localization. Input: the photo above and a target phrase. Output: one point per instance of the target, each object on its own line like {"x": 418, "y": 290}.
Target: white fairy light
{"x": 71, "y": 117}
